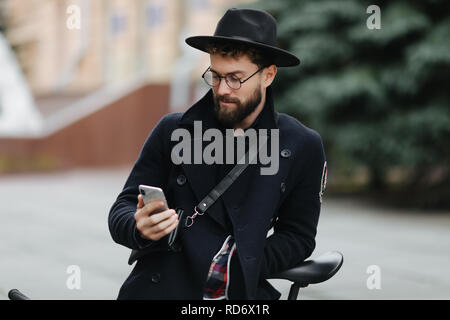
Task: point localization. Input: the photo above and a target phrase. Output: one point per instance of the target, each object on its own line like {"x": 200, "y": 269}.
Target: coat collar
{"x": 203, "y": 111}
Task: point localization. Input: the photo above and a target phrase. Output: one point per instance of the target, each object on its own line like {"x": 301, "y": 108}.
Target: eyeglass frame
{"x": 224, "y": 77}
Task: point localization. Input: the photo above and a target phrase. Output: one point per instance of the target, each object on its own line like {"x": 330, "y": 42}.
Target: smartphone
{"x": 152, "y": 193}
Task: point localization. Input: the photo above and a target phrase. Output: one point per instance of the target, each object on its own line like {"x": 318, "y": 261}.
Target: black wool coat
{"x": 288, "y": 200}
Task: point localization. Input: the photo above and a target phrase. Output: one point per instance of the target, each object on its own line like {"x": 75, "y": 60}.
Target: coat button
{"x": 156, "y": 277}
{"x": 181, "y": 179}
{"x": 283, "y": 187}
{"x": 285, "y": 153}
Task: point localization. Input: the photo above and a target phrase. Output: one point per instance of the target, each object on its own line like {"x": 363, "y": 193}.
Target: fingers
{"x": 153, "y": 225}
{"x": 157, "y": 218}
{"x": 157, "y": 231}
{"x": 156, "y": 222}
{"x": 140, "y": 202}
{"x": 166, "y": 231}
{"x": 145, "y": 210}
{"x": 164, "y": 224}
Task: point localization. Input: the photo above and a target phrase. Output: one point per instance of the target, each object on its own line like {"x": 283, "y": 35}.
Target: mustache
{"x": 227, "y": 99}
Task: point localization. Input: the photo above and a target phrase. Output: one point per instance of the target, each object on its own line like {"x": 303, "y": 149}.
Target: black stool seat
{"x": 314, "y": 270}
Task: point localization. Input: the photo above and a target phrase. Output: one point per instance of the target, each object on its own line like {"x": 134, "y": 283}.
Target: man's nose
{"x": 223, "y": 87}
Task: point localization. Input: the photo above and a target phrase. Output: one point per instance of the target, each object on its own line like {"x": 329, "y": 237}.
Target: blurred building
{"x": 121, "y": 62}
{"x": 112, "y": 39}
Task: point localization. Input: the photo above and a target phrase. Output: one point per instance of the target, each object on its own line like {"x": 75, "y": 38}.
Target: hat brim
{"x": 282, "y": 58}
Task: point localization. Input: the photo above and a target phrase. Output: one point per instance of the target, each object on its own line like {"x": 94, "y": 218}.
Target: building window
{"x": 154, "y": 15}
{"x": 118, "y": 23}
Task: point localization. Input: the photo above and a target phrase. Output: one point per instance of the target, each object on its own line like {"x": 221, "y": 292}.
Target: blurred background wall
{"x": 114, "y": 40}
{"x": 101, "y": 73}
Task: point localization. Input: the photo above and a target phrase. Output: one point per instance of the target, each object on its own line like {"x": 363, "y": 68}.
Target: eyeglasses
{"x": 213, "y": 79}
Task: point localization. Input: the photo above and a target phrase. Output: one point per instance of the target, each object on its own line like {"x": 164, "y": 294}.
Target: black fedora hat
{"x": 253, "y": 27}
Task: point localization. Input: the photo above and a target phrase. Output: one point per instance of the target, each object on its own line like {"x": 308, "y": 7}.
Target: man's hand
{"x": 154, "y": 226}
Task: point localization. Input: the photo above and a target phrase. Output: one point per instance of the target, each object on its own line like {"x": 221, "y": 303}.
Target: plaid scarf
{"x": 218, "y": 276}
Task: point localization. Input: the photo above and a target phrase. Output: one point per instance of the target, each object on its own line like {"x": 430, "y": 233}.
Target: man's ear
{"x": 269, "y": 75}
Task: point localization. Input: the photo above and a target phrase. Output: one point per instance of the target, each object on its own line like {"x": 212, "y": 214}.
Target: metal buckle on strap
{"x": 190, "y": 219}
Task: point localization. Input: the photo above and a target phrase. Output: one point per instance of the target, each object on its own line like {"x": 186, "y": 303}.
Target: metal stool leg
{"x": 293, "y": 292}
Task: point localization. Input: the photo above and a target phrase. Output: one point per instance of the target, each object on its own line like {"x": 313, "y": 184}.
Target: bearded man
{"x": 225, "y": 252}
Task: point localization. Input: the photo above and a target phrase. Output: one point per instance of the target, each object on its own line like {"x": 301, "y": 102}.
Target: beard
{"x": 230, "y": 117}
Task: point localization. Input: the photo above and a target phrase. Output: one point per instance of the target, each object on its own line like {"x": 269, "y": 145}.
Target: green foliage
{"x": 381, "y": 97}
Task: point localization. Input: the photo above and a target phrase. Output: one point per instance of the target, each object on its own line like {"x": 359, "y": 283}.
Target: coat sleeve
{"x": 151, "y": 169}
{"x": 293, "y": 239}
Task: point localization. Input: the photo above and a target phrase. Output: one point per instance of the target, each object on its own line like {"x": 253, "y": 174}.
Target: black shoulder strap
{"x": 227, "y": 181}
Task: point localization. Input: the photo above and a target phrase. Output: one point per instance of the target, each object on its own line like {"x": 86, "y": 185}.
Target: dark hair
{"x": 236, "y": 50}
